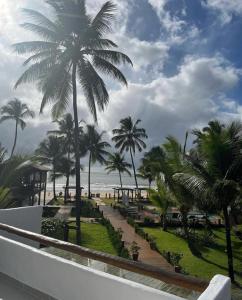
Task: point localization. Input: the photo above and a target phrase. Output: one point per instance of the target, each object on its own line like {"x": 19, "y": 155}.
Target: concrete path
{"x": 63, "y": 213}
{"x": 146, "y": 254}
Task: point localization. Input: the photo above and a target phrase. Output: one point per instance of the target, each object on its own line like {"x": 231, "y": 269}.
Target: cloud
{"x": 226, "y": 8}
{"x": 172, "y": 105}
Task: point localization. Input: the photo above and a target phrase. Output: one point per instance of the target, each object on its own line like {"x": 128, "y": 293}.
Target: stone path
{"x": 63, "y": 213}
{"x": 146, "y": 254}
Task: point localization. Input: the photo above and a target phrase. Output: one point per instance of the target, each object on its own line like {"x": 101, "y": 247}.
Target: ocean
{"x": 101, "y": 182}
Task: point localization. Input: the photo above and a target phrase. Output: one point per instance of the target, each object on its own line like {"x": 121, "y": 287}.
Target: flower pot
{"x": 135, "y": 256}
{"x": 177, "y": 269}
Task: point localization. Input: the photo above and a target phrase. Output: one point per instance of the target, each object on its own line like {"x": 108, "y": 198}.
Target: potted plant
{"x": 134, "y": 248}
{"x": 175, "y": 259}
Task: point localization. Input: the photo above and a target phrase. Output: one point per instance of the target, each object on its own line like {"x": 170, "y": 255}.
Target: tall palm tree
{"x": 117, "y": 162}
{"x": 73, "y": 47}
{"x": 3, "y": 152}
{"x": 17, "y": 111}
{"x": 216, "y": 171}
{"x": 145, "y": 172}
{"x": 95, "y": 147}
{"x": 51, "y": 151}
{"x": 129, "y": 138}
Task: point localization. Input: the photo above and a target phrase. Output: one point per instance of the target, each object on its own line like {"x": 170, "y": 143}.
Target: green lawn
{"x": 94, "y": 236}
{"x": 213, "y": 260}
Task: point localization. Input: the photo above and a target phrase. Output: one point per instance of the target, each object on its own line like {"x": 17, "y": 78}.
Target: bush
{"x": 173, "y": 257}
{"x": 116, "y": 238}
{"x": 49, "y": 212}
{"x": 53, "y": 228}
{"x": 87, "y": 210}
{"x": 148, "y": 221}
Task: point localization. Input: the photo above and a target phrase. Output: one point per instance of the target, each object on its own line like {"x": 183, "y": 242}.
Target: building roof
{"x": 30, "y": 165}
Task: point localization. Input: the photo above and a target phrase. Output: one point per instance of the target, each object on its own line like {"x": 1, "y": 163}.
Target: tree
{"x": 66, "y": 132}
{"x": 95, "y": 147}
{"x": 3, "y": 152}
{"x": 17, "y": 111}
{"x": 162, "y": 198}
{"x": 51, "y": 151}
{"x": 129, "y": 138}
{"x": 146, "y": 173}
{"x": 117, "y": 162}
{"x": 216, "y": 171}
{"x": 73, "y": 47}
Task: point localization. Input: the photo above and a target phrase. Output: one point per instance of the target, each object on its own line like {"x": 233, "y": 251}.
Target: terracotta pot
{"x": 177, "y": 269}
{"x": 135, "y": 256}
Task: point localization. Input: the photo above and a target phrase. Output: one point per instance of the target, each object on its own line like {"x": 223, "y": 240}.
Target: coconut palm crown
{"x": 73, "y": 48}
{"x": 17, "y": 111}
{"x": 116, "y": 162}
{"x": 129, "y": 137}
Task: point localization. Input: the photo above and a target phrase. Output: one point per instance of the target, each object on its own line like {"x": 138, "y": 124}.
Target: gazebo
{"x": 66, "y": 192}
{"x": 117, "y": 191}
{"x": 33, "y": 179}
{"x": 138, "y": 193}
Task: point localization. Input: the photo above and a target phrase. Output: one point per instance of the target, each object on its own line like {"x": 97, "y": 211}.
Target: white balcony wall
{"x": 63, "y": 279}
{"x": 27, "y": 218}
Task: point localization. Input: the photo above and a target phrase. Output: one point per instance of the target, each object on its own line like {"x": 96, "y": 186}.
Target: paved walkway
{"x": 63, "y": 213}
{"x": 146, "y": 254}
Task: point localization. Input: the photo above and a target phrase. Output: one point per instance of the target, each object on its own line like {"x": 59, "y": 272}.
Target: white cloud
{"x": 226, "y": 8}
{"x": 175, "y": 104}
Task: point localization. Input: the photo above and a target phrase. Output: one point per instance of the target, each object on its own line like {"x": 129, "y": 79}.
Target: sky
{"x": 187, "y": 57}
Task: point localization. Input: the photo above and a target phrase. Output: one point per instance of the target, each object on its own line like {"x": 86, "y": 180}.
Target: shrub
{"x": 148, "y": 221}
{"x": 173, "y": 257}
{"x": 116, "y": 238}
{"x": 49, "y": 212}
{"x": 87, "y": 210}
{"x": 53, "y": 228}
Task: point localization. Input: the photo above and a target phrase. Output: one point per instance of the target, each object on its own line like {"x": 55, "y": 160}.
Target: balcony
{"x": 30, "y": 273}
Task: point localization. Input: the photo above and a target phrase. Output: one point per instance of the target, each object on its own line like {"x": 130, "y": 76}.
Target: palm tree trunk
{"x": 120, "y": 178}
{"x": 228, "y": 243}
{"x": 67, "y": 177}
{"x": 15, "y": 139}
{"x": 54, "y": 191}
{"x": 135, "y": 177}
{"x": 77, "y": 158}
{"x": 89, "y": 176}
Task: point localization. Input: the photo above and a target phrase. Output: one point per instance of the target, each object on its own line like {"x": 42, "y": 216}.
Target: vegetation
{"x": 17, "y": 111}
{"x": 212, "y": 258}
{"x": 129, "y": 138}
{"x": 73, "y": 47}
{"x": 96, "y": 149}
{"x": 117, "y": 162}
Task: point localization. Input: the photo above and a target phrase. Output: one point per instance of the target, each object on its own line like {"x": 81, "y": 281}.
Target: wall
{"x": 28, "y": 218}
{"x": 219, "y": 289}
{"x": 64, "y": 279}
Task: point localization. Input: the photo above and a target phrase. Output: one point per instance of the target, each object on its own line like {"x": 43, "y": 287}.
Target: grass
{"x": 213, "y": 260}
{"x": 94, "y": 236}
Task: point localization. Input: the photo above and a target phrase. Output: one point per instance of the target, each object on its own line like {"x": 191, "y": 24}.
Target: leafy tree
{"x": 73, "y": 47}
{"x": 51, "y": 151}
{"x": 129, "y": 137}
{"x": 162, "y": 198}
{"x": 96, "y": 149}
{"x": 17, "y": 111}
{"x": 117, "y": 162}
{"x": 216, "y": 171}
{"x": 145, "y": 172}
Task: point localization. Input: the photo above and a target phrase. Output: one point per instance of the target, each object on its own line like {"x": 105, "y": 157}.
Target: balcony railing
{"x": 177, "y": 279}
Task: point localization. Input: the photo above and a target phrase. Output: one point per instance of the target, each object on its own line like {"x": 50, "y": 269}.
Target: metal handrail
{"x": 169, "y": 277}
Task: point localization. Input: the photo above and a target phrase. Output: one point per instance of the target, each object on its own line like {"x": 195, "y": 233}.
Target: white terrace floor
{"x": 11, "y": 289}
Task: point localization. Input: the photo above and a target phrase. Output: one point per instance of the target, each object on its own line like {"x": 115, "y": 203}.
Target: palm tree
{"x": 73, "y": 47}
{"x": 95, "y": 147}
{"x": 129, "y": 138}
{"x": 3, "y": 152}
{"x": 145, "y": 172}
{"x": 66, "y": 131}
{"x": 162, "y": 198}
{"x": 51, "y": 151}
{"x": 117, "y": 162}
{"x": 216, "y": 171}
{"x": 17, "y": 111}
